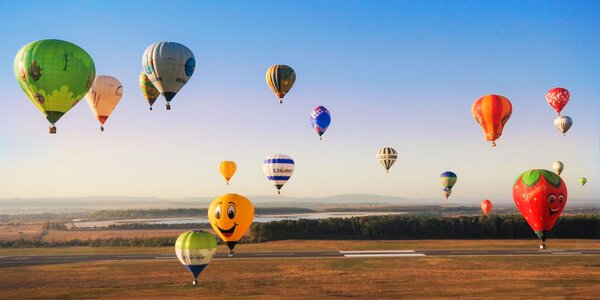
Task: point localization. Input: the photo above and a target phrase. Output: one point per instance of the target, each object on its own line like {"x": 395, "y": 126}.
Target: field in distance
{"x": 412, "y": 277}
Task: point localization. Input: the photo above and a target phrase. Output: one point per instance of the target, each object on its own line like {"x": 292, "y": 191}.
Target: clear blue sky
{"x": 401, "y": 73}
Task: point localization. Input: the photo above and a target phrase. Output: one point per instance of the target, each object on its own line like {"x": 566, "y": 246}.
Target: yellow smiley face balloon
{"x": 230, "y": 216}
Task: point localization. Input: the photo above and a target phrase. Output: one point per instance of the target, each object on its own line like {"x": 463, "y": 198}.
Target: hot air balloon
{"x": 227, "y": 169}
{"x": 558, "y": 166}
{"x": 169, "y": 66}
{"x": 446, "y": 192}
{"x": 320, "y": 120}
{"x": 148, "y": 89}
{"x": 491, "y": 113}
{"x": 563, "y": 123}
{"x": 558, "y": 98}
{"x": 55, "y": 75}
{"x": 387, "y": 157}
{"x": 195, "y": 249}
{"x": 448, "y": 179}
{"x": 230, "y": 216}
{"x": 103, "y": 97}
{"x": 278, "y": 168}
{"x": 486, "y": 206}
{"x": 540, "y": 196}
{"x": 280, "y": 79}
{"x": 583, "y": 180}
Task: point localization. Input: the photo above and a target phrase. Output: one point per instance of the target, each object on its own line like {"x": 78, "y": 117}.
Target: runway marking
{"x": 386, "y": 255}
{"x": 377, "y": 251}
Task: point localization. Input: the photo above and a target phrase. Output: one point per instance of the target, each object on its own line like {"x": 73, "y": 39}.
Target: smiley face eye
{"x": 561, "y": 198}
{"x": 231, "y": 211}
{"x": 218, "y": 212}
{"x": 552, "y": 199}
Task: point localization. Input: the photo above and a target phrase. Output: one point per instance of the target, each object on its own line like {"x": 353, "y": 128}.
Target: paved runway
{"x": 16, "y": 261}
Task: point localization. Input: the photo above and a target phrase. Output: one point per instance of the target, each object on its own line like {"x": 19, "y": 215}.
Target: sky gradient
{"x": 402, "y": 74}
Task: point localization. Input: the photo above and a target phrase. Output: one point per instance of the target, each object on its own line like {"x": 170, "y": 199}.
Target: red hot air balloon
{"x": 558, "y": 98}
{"x": 540, "y": 196}
{"x": 486, "y": 206}
{"x": 491, "y": 113}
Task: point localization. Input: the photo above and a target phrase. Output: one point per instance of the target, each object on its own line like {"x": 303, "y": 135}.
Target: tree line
{"x": 421, "y": 227}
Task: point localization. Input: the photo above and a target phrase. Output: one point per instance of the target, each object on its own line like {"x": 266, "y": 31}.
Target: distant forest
{"x": 396, "y": 227}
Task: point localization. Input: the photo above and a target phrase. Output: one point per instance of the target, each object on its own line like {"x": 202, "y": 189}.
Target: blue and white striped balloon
{"x": 278, "y": 168}
{"x": 320, "y": 119}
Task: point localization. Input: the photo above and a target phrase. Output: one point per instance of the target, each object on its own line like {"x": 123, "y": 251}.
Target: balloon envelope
{"x": 563, "y": 123}
{"x": 278, "y": 168}
{"x": 195, "y": 249}
{"x": 387, "y": 157}
{"x": 227, "y": 169}
{"x": 486, "y": 206}
{"x": 448, "y": 179}
{"x": 55, "y": 75}
{"x": 540, "y": 196}
{"x": 148, "y": 89}
{"x": 169, "y": 66}
{"x": 280, "y": 79}
{"x": 230, "y": 216}
{"x": 491, "y": 113}
{"x": 320, "y": 119}
{"x": 558, "y": 167}
{"x": 583, "y": 180}
{"x": 557, "y": 98}
{"x": 103, "y": 97}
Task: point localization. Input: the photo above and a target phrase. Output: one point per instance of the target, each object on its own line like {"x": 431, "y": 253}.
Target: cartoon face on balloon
{"x": 230, "y": 216}
{"x": 541, "y": 196}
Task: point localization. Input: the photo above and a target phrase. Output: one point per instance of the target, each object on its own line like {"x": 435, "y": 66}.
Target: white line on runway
{"x": 385, "y": 255}
{"x": 378, "y": 251}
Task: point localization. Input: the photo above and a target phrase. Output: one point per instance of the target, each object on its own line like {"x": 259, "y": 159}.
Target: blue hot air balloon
{"x": 278, "y": 168}
{"x": 320, "y": 120}
{"x": 448, "y": 179}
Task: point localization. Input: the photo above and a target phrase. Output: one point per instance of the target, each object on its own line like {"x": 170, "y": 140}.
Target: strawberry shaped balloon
{"x": 540, "y": 196}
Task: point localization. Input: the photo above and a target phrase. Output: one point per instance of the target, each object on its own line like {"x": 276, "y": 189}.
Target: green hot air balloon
{"x": 195, "y": 249}
{"x": 55, "y": 75}
{"x": 583, "y": 180}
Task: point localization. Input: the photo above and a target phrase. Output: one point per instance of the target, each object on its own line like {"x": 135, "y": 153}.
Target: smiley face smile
{"x": 227, "y": 232}
{"x": 553, "y": 210}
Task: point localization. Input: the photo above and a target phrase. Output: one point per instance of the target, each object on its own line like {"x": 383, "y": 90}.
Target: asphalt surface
{"x": 31, "y": 260}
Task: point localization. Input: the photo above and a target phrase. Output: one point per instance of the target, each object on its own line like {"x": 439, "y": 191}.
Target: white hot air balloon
{"x": 278, "y": 168}
{"x": 169, "y": 66}
{"x": 387, "y": 157}
{"x": 558, "y": 167}
{"x": 563, "y": 123}
{"x": 103, "y": 97}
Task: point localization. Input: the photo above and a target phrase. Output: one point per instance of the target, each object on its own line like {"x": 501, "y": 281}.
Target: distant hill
{"x": 84, "y": 204}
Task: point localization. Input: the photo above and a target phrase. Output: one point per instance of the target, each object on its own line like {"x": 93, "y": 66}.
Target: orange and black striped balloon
{"x": 492, "y": 112}
{"x": 280, "y": 79}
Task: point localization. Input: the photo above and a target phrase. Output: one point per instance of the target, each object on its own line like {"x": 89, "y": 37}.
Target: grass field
{"x": 65, "y": 235}
{"x": 491, "y": 277}
{"x": 21, "y": 230}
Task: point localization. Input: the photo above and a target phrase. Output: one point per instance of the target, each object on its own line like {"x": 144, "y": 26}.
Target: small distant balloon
{"x": 557, "y": 98}
{"x": 563, "y": 124}
{"x": 387, "y": 157}
{"x": 227, "y": 169}
{"x": 280, "y": 79}
{"x": 278, "y": 168}
{"x": 195, "y": 249}
{"x": 148, "y": 89}
{"x": 320, "y": 120}
{"x": 558, "y": 167}
{"x": 582, "y": 180}
{"x": 491, "y": 113}
{"x": 486, "y": 206}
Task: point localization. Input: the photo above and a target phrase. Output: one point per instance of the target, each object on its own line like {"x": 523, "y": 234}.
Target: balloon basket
{"x": 195, "y": 282}
{"x": 52, "y": 130}
{"x": 168, "y": 106}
